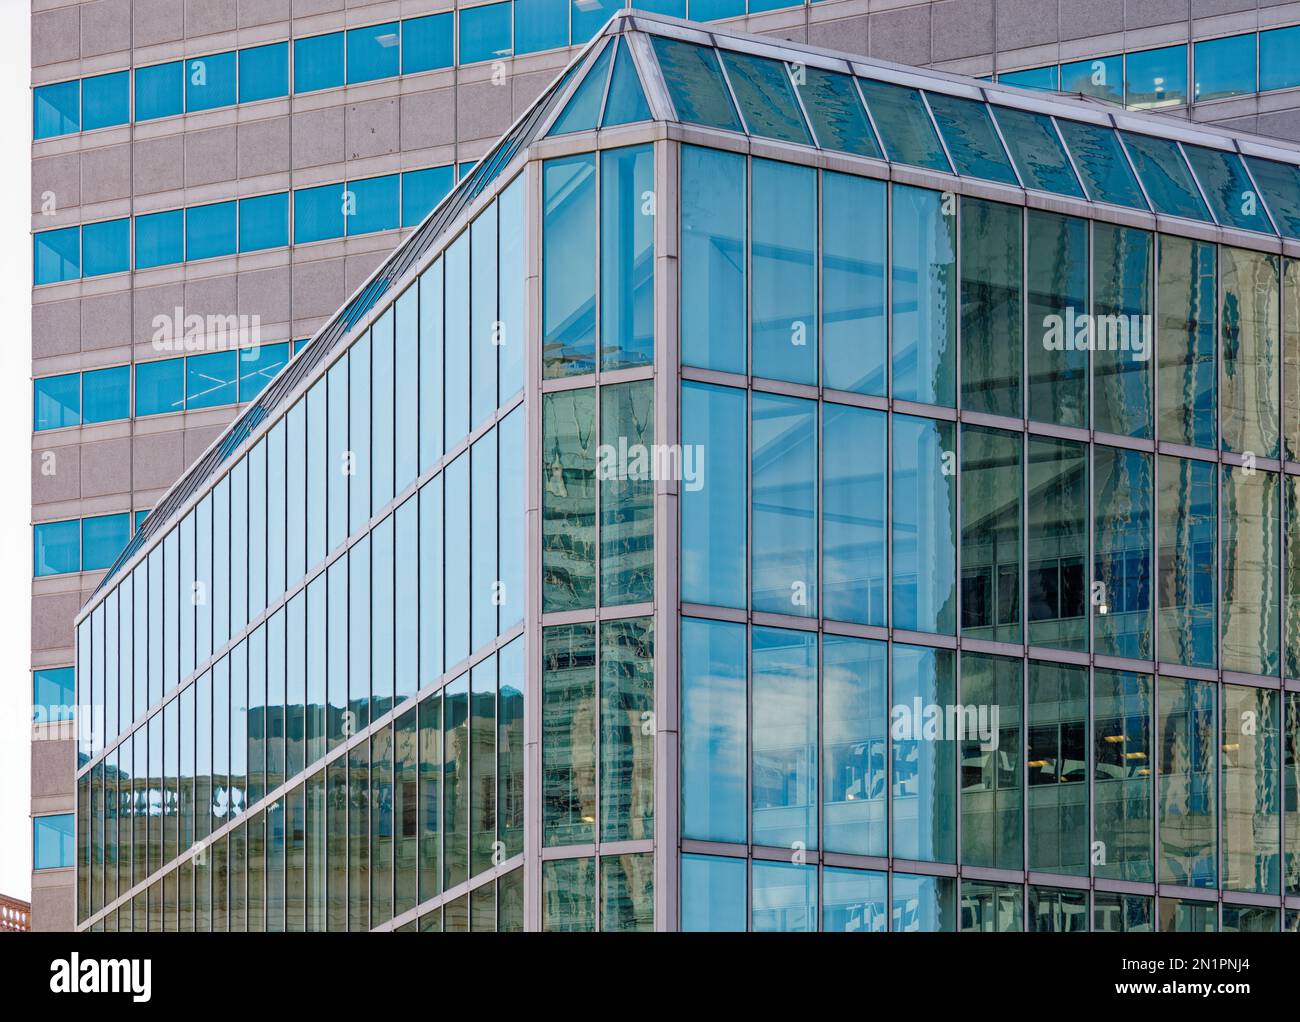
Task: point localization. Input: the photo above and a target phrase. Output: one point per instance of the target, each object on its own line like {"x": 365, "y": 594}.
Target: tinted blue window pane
{"x": 924, "y": 526}
{"x": 427, "y": 43}
{"x": 569, "y": 265}
{"x": 541, "y": 25}
{"x": 158, "y": 91}
{"x": 1165, "y": 176}
{"x": 709, "y": 10}
{"x": 923, "y": 297}
{"x": 1280, "y": 183}
{"x": 52, "y": 842}
{"x": 53, "y": 694}
{"x": 159, "y": 238}
{"x": 1122, "y": 502}
{"x": 375, "y": 206}
{"x": 106, "y": 394}
{"x": 1037, "y": 151}
{"x": 713, "y": 894}
{"x": 853, "y": 283}
{"x": 783, "y": 301}
{"x": 263, "y": 72}
{"x": 484, "y": 33}
{"x": 923, "y": 904}
{"x": 159, "y": 386}
{"x": 714, "y": 759}
{"x": 210, "y": 230}
{"x": 1278, "y": 68}
{"x": 785, "y": 898}
{"x": 264, "y": 222}
{"x": 374, "y": 52}
{"x": 211, "y": 81}
{"x": 1156, "y": 78}
{"x": 140, "y": 516}
{"x": 106, "y": 247}
{"x": 56, "y": 255}
{"x": 1031, "y": 78}
{"x": 318, "y": 213}
{"x": 627, "y": 257}
{"x": 56, "y": 401}
{"x": 853, "y": 515}
{"x": 626, "y": 100}
{"x": 422, "y": 190}
{"x": 674, "y": 8}
{"x": 582, "y": 110}
{"x": 854, "y": 901}
{"x": 922, "y": 779}
{"x": 1231, "y": 193}
{"x": 318, "y": 62}
{"x": 785, "y": 768}
{"x": 102, "y": 539}
{"x": 766, "y": 97}
{"x": 784, "y": 512}
{"x": 211, "y": 379}
{"x": 105, "y": 100}
{"x": 1101, "y": 78}
{"x": 258, "y": 365}
{"x": 590, "y": 15}
{"x": 971, "y": 137}
{"x": 713, "y": 232}
{"x": 56, "y": 109}
{"x": 713, "y": 502}
{"x": 699, "y": 92}
{"x": 1102, "y": 164}
{"x": 56, "y": 547}
{"x": 1224, "y": 67}
{"x": 906, "y": 130}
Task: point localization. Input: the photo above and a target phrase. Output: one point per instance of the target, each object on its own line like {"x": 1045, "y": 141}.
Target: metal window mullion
{"x": 943, "y": 142}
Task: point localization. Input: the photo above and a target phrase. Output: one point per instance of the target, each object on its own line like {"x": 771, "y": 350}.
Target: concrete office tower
{"x": 773, "y": 490}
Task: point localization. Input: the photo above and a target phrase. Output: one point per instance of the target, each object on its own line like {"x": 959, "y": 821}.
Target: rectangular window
{"x": 1186, "y": 340}
{"x": 924, "y": 799}
{"x": 456, "y": 782}
{"x": 1122, "y": 559}
{"x": 106, "y": 247}
{"x": 484, "y": 577}
{"x": 263, "y": 72}
{"x": 713, "y": 894}
{"x": 627, "y": 257}
{"x": 159, "y": 238}
{"x": 1277, "y": 64}
{"x": 1186, "y": 581}
{"x": 456, "y": 557}
{"x": 854, "y": 712}
{"x": 371, "y": 205}
{"x": 209, "y": 230}
{"x": 103, "y": 539}
{"x": 713, "y": 513}
{"x": 1121, "y": 335}
{"x": 56, "y": 255}
{"x": 784, "y": 897}
{"x": 627, "y": 494}
{"x": 430, "y": 795}
{"x": 853, "y": 283}
{"x": 991, "y": 781}
{"x": 568, "y": 893}
{"x": 211, "y": 379}
{"x": 784, "y": 505}
{"x": 714, "y": 726}
{"x": 258, "y": 366}
{"x": 427, "y": 43}
{"x": 484, "y": 327}
{"x": 1156, "y": 78}
{"x": 159, "y": 91}
{"x": 853, "y": 522}
{"x": 211, "y": 81}
{"x": 1250, "y": 298}
{"x": 713, "y": 243}
{"x": 320, "y": 213}
{"x": 626, "y": 749}
{"x": 783, "y": 297}
{"x": 990, "y": 533}
{"x": 924, "y": 283}
{"x": 52, "y": 841}
{"x": 924, "y": 537}
{"x": 568, "y": 264}
{"x": 1251, "y": 559}
{"x": 541, "y": 25}
{"x": 991, "y": 307}
{"x": 1224, "y": 67}
{"x": 1057, "y": 756}
{"x": 422, "y": 190}
{"x": 483, "y": 765}
{"x": 568, "y": 500}
{"x": 374, "y": 52}
{"x": 485, "y": 32}
{"x": 1122, "y": 774}
{"x": 568, "y": 755}
{"x": 455, "y": 349}
{"x": 1188, "y": 806}
{"x": 510, "y": 288}
{"x": 318, "y": 62}
{"x": 56, "y": 401}
{"x": 1252, "y": 802}
{"x": 53, "y": 694}
{"x": 264, "y": 222}
{"x": 105, "y": 100}
{"x": 56, "y": 109}
{"x": 1058, "y": 543}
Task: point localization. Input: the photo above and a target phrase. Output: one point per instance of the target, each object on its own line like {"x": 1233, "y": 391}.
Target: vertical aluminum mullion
{"x": 819, "y": 793}
{"x": 958, "y": 351}
{"x": 887, "y": 565}
{"x": 1156, "y": 773}
{"x": 749, "y": 539}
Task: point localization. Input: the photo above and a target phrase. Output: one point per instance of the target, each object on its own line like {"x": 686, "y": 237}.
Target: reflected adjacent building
{"x": 772, "y": 492}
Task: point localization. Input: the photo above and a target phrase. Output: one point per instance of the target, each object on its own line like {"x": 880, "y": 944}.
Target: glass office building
{"x": 771, "y": 491}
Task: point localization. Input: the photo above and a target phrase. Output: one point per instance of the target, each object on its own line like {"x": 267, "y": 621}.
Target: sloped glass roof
{"x": 642, "y": 67}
